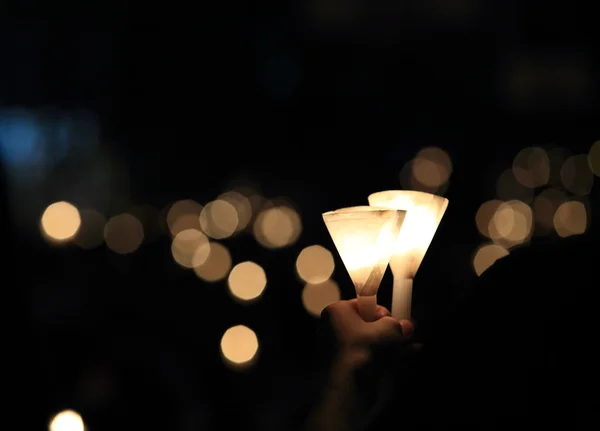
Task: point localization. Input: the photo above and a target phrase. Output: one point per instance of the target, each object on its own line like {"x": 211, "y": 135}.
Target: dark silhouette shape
{"x": 520, "y": 346}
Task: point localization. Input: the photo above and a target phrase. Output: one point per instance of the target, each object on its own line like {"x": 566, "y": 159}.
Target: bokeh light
{"x": 219, "y": 219}
{"x": 247, "y": 281}
{"x": 429, "y": 171}
{"x": 216, "y": 266}
{"x": 565, "y": 181}
{"x": 484, "y": 216}
{"x": 570, "y": 219}
{"x": 315, "y": 264}
{"x": 239, "y": 346}
{"x": 315, "y": 297}
{"x": 91, "y": 232}
{"x": 486, "y": 256}
{"x": 60, "y": 222}
{"x": 182, "y": 215}
{"x": 512, "y": 223}
{"x": 242, "y": 205}
{"x": 123, "y": 233}
{"x": 67, "y": 420}
{"x": 432, "y": 167}
{"x": 277, "y": 227}
{"x": 190, "y": 248}
{"x": 531, "y": 167}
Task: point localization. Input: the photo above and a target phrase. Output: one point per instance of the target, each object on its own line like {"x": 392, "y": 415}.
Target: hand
{"x": 358, "y": 374}
{"x": 357, "y": 340}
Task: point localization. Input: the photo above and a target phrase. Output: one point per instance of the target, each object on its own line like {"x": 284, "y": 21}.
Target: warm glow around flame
{"x": 424, "y": 211}
{"x": 364, "y": 237}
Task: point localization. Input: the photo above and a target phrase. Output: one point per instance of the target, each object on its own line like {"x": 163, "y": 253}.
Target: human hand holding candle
{"x": 354, "y": 338}
{"x": 424, "y": 214}
{"x": 355, "y": 344}
{"x": 365, "y": 237}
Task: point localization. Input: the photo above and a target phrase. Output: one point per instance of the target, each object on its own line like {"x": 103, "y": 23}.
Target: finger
{"x": 334, "y": 308}
{"x": 408, "y": 329}
{"x": 345, "y": 313}
{"x": 356, "y": 310}
{"x": 325, "y": 313}
{"x": 382, "y": 312}
{"x": 353, "y": 303}
{"x": 387, "y": 328}
{"x": 329, "y": 311}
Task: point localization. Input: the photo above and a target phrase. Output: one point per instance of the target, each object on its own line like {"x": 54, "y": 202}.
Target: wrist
{"x": 348, "y": 360}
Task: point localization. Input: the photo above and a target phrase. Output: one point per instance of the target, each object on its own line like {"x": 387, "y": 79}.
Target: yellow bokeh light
{"x": 60, "y": 222}
{"x": 242, "y": 205}
{"x": 239, "y": 346}
{"x": 277, "y": 227}
{"x": 123, "y": 233}
{"x": 67, "y": 420}
{"x": 570, "y": 219}
{"x": 315, "y": 297}
{"x": 486, "y": 256}
{"x": 432, "y": 167}
{"x": 216, "y": 266}
{"x": 484, "y": 216}
{"x": 219, "y": 219}
{"x": 429, "y": 171}
{"x": 315, "y": 264}
{"x": 247, "y": 281}
{"x": 512, "y": 224}
{"x": 190, "y": 248}
{"x": 594, "y": 158}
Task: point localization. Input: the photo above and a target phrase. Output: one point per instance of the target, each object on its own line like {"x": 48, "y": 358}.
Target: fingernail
{"x": 382, "y": 313}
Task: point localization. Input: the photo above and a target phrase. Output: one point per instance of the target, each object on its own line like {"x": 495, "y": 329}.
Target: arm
{"x": 344, "y": 400}
{"x": 339, "y": 407}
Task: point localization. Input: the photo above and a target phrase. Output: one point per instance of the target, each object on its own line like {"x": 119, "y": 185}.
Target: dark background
{"x": 322, "y": 102}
